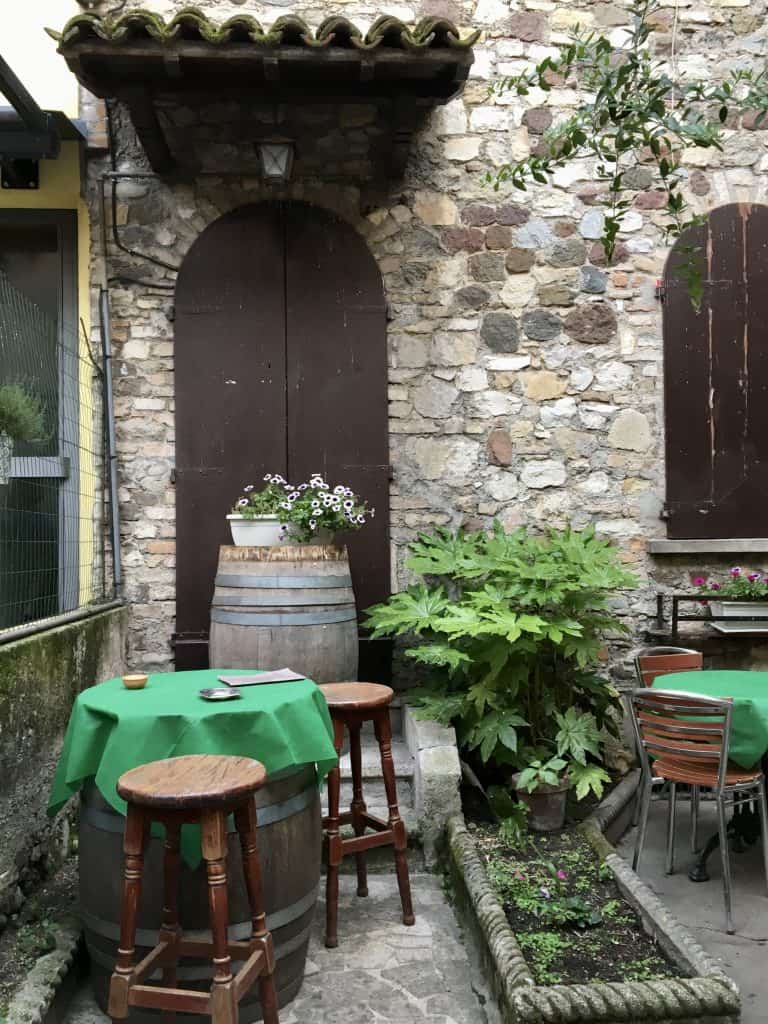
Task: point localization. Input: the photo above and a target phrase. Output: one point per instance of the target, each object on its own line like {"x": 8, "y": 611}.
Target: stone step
{"x": 373, "y": 783}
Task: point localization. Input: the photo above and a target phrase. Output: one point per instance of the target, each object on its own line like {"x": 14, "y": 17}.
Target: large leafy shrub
{"x": 511, "y": 626}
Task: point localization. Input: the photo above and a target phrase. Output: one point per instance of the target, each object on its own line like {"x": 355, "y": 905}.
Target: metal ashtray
{"x": 220, "y": 693}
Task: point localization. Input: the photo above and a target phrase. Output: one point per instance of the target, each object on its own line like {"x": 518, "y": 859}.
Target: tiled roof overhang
{"x": 137, "y": 56}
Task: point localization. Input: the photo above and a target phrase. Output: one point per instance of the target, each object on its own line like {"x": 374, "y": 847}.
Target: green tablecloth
{"x": 112, "y": 730}
{"x": 749, "y": 691}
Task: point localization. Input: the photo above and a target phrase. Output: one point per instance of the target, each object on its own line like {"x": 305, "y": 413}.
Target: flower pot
{"x": 734, "y": 610}
{"x": 267, "y": 531}
{"x": 261, "y": 531}
{"x": 546, "y": 805}
{"x": 6, "y": 454}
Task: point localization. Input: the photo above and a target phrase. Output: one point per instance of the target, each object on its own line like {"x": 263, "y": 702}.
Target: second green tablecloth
{"x": 749, "y": 692}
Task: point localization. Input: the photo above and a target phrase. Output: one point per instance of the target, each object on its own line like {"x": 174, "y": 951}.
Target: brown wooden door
{"x": 716, "y": 379}
{"x": 280, "y": 362}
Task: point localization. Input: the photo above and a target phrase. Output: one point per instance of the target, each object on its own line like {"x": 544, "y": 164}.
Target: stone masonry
{"x": 525, "y": 375}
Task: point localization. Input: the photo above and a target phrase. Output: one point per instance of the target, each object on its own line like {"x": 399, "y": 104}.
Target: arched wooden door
{"x": 716, "y": 378}
{"x": 280, "y": 367}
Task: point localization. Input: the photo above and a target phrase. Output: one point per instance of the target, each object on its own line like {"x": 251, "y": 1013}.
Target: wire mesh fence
{"x": 52, "y": 460}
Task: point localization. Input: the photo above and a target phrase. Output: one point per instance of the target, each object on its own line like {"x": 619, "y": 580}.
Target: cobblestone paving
{"x": 381, "y": 970}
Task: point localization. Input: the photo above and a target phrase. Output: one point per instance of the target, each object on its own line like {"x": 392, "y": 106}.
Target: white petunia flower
{"x": 312, "y": 524}
{"x": 268, "y": 476}
{"x": 349, "y": 505}
{"x": 242, "y": 503}
{"x": 286, "y": 505}
{"x": 248, "y": 489}
{"x": 338, "y": 490}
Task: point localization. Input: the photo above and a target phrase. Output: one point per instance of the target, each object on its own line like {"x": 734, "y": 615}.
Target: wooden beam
{"x": 149, "y": 130}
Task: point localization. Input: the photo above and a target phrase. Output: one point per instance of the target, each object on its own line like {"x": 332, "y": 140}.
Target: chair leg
{"x": 695, "y": 796}
{"x": 645, "y": 804}
{"x": 383, "y": 728}
{"x": 245, "y": 822}
{"x": 170, "y": 930}
{"x": 726, "y": 861}
{"x": 213, "y": 835}
{"x": 670, "y": 869}
{"x": 762, "y": 805}
{"x": 333, "y": 846}
{"x": 357, "y": 806}
{"x": 134, "y": 841}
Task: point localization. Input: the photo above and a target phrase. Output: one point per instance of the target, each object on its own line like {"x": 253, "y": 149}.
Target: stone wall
{"x": 40, "y": 678}
{"x": 525, "y": 375}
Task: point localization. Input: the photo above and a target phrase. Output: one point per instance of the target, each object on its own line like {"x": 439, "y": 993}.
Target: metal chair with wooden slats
{"x": 652, "y": 662}
{"x": 684, "y": 738}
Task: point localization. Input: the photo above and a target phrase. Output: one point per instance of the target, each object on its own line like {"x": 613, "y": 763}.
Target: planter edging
{"x": 32, "y": 1001}
{"x": 709, "y": 997}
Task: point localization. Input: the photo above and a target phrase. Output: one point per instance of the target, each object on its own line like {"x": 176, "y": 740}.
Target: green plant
{"x": 21, "y": 415}
{"x": 308, "y": 507}
{"x": 633, "y": 113}
{"x": 510, "y": 627}
{"x": 543, "y": 949}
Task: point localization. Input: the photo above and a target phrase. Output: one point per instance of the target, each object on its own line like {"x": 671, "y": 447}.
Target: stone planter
{"x": 706, "y": 995}
{"x": 546, "y": 805}
{"x": 734, "y": 610}
{"x": 6, "y": 454}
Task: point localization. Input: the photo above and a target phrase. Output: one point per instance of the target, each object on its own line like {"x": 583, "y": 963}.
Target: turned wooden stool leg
{"x": 134, "y": 841}
{"x": 383, "y": 729}
{"x": 213, "y": 835}
{"x": 357, "y": 807}
{"x": 169, "y": 929}
{"x": 245, "y": 822}
{"x": 333, "y": 845}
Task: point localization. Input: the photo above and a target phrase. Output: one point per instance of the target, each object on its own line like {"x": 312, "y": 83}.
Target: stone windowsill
{"x": 725, "y": 545}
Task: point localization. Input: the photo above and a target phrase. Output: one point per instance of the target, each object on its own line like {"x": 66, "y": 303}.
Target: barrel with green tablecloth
{"x": 288, "y": 811}
{"x": 285, "y": 606}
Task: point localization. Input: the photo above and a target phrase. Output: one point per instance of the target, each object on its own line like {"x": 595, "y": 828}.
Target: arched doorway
{"x": 280, "y": 367}
{"x": 716, "y": 378}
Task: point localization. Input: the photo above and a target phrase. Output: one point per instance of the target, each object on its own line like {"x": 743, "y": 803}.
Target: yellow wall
{"x": 32, "y": 55}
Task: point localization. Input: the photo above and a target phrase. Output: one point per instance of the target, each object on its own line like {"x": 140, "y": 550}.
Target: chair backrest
{"x": 689, "y": 729}
{"x": 652, "y": 662}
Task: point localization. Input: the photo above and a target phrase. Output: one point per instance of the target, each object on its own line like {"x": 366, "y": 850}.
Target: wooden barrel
{"x": 278, "y": 607}
{"x": 289, "y": 839}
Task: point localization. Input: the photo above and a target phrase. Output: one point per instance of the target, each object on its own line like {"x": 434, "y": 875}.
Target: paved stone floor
{"x": 381, "y": 970}
{"x": 700, "y": 905}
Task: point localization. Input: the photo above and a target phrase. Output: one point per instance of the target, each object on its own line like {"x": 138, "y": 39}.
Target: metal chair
{"x": 652, "y": 662}
{"x": 684, "y": 738}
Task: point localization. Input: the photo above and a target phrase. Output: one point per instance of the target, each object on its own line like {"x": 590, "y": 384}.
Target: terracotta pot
{"x": 546, "y": 805}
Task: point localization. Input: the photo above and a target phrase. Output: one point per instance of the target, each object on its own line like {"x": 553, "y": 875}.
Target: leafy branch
{"x": 634, "y": 114}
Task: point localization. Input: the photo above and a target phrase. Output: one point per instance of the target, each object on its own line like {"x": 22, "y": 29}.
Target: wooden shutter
{"x": 716, "y": 379}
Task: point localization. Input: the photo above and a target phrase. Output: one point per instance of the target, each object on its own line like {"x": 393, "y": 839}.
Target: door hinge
{"x": 173, "y": 475}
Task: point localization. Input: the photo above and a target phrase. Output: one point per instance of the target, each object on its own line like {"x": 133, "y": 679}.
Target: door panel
{"x": 230, "y": 389}
{"x": 280, "y": 361}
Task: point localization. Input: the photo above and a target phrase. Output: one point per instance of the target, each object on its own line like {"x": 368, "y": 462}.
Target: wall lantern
{"x": 276, "y": 157}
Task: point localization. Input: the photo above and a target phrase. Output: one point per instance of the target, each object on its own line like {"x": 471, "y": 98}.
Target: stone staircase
{"x": 427, "y": 774}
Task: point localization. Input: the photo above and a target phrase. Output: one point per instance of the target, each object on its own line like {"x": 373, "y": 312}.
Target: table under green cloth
{"x": 112, "y": 729}
{"x": 749, "y": 692}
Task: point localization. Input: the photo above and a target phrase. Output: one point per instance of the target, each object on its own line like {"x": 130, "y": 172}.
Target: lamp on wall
{"x": 276, "y": 158}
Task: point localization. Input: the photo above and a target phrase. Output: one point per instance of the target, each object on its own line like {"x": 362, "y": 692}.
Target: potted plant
{"x": 509, "y": 627}
{"x": 743, "y": 593}
{"x": 280, "y": 513}
{"x": 21, "y": 419}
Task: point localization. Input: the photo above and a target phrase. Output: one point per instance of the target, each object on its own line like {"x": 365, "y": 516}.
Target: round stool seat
{"x": 193, "y": 781}
{"x": 356, "y": 696}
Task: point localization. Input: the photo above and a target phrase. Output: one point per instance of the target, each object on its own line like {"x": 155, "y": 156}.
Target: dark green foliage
{"x": 510, "y": 625}
{"x": 21, "y": 415}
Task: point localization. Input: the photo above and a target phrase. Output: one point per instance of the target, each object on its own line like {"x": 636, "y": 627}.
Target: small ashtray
{"x": 135, "y": 682}
{"x": 220, "y": 693}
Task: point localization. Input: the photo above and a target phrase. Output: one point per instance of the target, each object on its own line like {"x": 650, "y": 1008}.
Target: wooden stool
{"x": 352, "y": 704}
{"x": 199, "y": 790}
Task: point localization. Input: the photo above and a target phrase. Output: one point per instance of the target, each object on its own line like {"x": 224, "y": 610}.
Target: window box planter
{"x": 268, "y": 531}
{"x": 742, "y": 615}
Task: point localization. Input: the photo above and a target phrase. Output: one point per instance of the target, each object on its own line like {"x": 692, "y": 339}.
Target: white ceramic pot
{"x": 734, "y": 610}
{"x": 6, "y": 454}
{"x": 261, "y": 531}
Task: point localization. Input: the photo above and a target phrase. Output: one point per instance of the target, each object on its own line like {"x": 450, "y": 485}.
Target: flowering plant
{"x": 740, "y": 586}
{"x": 305, "y": 509}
